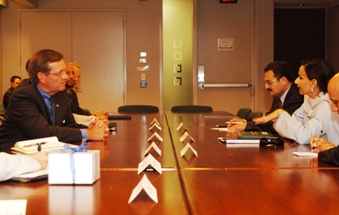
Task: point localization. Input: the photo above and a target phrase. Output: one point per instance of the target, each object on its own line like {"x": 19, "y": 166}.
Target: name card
{"x": 186, "y": 138}
{"x": 16, "y": 206}
{"x": 148, "y": 187}
{"x": 181, "y": 127}
{"x": 153, "y": 146}
{"x": 155, "y": 121}
{"x": 149, "y": 161}
{"x": 155, "y": 138}
{"x": 155, "y": 127}
{"x": 188, "y": 146}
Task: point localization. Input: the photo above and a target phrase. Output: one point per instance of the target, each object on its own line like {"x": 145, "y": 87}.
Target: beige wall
{"x": 143, "y": 34}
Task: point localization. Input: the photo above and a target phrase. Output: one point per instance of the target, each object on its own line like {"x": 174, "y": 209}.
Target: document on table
{"x": 304, "y": 151}
{"x": 31, "y": 176}
{"x": 17, "y": 206}
{"x": 306, "y": 154}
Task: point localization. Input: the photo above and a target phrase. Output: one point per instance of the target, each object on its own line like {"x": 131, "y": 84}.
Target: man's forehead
{"x": 69, "y": 68}
{"x": 269, "y": 74}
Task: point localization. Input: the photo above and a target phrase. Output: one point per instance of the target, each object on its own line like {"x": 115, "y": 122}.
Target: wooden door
{"x": 93, "y": 39}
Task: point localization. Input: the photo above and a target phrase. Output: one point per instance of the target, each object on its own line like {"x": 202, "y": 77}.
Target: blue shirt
{"x": 48, "y": 101}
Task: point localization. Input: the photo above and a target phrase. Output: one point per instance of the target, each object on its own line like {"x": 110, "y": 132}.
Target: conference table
{"x": 220, "y": 180}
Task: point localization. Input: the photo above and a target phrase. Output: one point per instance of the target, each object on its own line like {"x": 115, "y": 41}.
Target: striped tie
{"x": 53, "y": 110}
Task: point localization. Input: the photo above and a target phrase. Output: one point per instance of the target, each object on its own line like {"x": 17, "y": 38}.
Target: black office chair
{"x": 254, "y": 114}
{"x": 2, "y": 107}
{"x": 191, "y": 109}
{"x": 243, "y": 112}
{"x": 138, "y": 109}
{"x": 2, "y": 111}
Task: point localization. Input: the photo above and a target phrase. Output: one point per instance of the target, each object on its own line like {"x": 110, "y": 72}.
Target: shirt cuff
{"x": 84, "y": 134}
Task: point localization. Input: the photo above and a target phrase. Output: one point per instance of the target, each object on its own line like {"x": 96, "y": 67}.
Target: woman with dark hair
{"x": 315, "y": 113}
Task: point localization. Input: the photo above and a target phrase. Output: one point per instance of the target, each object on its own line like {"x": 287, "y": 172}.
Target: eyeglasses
{"x": 276, "y": 142}
{"x": 61, "y": 74}
{"x": 269, "y": 82}
{"x": 72, "y": 73}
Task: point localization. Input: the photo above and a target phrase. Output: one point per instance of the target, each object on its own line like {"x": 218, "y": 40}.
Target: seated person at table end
{"x": 329, "y": 152}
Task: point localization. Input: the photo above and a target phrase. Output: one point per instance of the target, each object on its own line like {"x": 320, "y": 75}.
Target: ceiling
{"x": 306, "y": 3}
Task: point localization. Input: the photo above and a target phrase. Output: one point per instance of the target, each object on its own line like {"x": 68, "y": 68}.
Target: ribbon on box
{"x": 81, "y": 148}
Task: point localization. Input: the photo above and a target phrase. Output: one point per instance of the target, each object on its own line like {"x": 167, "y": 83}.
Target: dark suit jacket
{"x": 28, "y": 118}
{"x": 293, "y": 101}
{"x": 6, "y": 97}
{"x": 330, "y": 156}
{"x": 74, "y": 104}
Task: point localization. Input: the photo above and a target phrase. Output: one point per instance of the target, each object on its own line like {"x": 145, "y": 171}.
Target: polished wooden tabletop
{"x": 281, "y": 191}
{"x": 125, "y": 148}
{"x": 214, "y": 154}
{"x": 220, "y": 180}
{"x": 108, "y": 195}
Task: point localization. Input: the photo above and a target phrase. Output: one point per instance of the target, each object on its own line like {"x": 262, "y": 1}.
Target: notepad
{"x": 32, "y": 176}
{"x": 31, "y": 146}
{"x": 240, "y": 142}
{"x": 304, "y": 150}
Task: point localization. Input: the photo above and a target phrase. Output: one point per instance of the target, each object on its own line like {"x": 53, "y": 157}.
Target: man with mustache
{"x": 279, "y": 83}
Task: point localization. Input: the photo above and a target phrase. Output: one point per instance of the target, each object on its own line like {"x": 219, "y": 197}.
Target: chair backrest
{"x": 243, "y": 112}
{"x": 191, "y": 109}
{"x": 138, "y": 109}
{"x": 254, "y": 114}
{"x": 2, "y": 107}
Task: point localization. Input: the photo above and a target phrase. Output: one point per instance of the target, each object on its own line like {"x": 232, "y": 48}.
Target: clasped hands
{"x": 98, "y": 129}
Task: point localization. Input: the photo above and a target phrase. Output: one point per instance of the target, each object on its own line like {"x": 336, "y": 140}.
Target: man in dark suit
{"x": 15, "y": 81}
{"x": 39, "y": 107}
{"x": 279, "y": 83}
{"x": 329, "y": 152}
{"x": 73, "y": 98}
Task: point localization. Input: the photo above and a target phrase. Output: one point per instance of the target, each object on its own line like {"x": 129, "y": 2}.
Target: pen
{"x": 320, "y": 134}
{"x": 35, "y": 144}
{"x": 234, "y": 123}
{"x": 221, "y": 126}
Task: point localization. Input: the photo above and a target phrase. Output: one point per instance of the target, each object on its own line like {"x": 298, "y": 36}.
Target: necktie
{"x": 52, "y": 110}
{"x": 279, "y": 104}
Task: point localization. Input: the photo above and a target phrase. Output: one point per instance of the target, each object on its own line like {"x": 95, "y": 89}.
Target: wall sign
{"x": 225, "y": 44}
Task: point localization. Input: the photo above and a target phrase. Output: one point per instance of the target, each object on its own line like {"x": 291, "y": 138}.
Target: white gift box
{"x": 74, "y": 167}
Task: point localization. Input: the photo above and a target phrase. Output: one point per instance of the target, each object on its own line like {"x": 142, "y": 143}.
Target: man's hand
{"x": 41, "y": 157}
{"x": 270, "y": 117}
{"x": 320, "y": 144}
{"x": 97, "y": 130}
{"x": 237, "y": 124}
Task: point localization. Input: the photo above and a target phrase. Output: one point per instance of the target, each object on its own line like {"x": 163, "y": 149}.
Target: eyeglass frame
{"x": 59, "y": 75}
